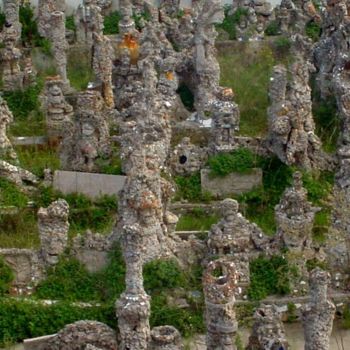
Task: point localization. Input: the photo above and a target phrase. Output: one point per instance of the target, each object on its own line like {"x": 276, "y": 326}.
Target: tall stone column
{"x": 219, "y": 302}
{"x": 11, "y": 10}
{"x": 59, "y": 45}
{"x": 133, "y": 306}
{"x": 318, "y": 315}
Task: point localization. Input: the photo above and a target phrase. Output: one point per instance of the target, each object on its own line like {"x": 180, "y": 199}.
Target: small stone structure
{"x": 78, "y": 335}
{"x": 318, "y": 315}
{"x": 165, "y": 338}
{"x": 102, "y": 57}
{"x": 88, "y": 141}
{"x": 12, "y": 74}
{"x": 58, "y": 112}
{"x": 53, "y": 229}
{"x": 295, "y": 216}
{"x": 219, "y": 293}
{"x": 6, "y": 117}
{"x": 88, "y": 20}
{"x": 268, "y": 330}
{"x": 187, "y": 158}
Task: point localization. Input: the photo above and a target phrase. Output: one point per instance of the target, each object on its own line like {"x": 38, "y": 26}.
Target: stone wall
{"x": 92, "y": 185}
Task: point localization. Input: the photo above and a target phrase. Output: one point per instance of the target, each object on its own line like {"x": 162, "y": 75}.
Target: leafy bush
{"x": 231, "y": 20}
{"x": 2, "y": 20}
{"x": 282, "y": 46}
{"x": 346, "y": 317}
{"x": 30, "y": 35}
{"x": 84, "y": 213}
{"x": 291, "y": 312}
{"x": 318, "y": 186}
{"x": 24, "y": 102}
{"x": 268, "y": 276}
{"x": 138, "y": 18}
{"x": 20, "y": 319}
{"x": 70, "y": 24}
{"x": 196, "y": 220}
{"x": 313, "y": 30}
{"x": 241, "y": 161}
{"x": 187, "y": 321}
{"x": 70, "y": 281}
{"x": 272, "y": 28}
{"x": 111, "y": 23}
{"x": 162, "y": 274}
{"x": 6, "y": 277}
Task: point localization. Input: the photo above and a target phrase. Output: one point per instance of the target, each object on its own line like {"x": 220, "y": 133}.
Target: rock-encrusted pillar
{"x": 12, "y": 74}
{"x": 318, "y": 315}
{"x": 102, "y": 56}
{"x": 59, "y": 45}
{"x": 53, "y": 229}
{"x": 295, "y": 216}
{"x": 6, "y": 117}
{"x": 268, "y": 330}
{"x": 133, "y": 306}
{"x": 220, "y": 313}
{"x": 11, "y": 11}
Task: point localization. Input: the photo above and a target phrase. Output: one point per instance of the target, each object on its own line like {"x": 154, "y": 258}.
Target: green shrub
{"x": 232, "y": 20}
{"x": 162, "y": 274}
{"x": 268, "y": 276}
{"x": 318, "y": 186}
{"x": 241, "y": 161}
{"x": 313, "y": 263}
{"x": 186, "y": 96}
{"x": 187, "y": 321}
{"x": 282, "y": 47}
{"x": 272, "y": 29}
{"x": 196, "y": 220}
{"x": 291, "y": 312}
{"x": 111, "y": 23}
{"x": 6, "y": 277}
{"x": 138, "y": 18}
{"x": 313, "y": 31}
{"x": 70, "y": 281}
{"x": 346, "y": 317}
{"x": 70, "y": 24}
{"x": 30, "y": 35}
{"x": 2, "y": 20}
{"x": 20, "y": 319}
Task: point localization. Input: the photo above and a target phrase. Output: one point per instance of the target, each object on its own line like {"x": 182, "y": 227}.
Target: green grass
{"x": 247, "y": 71}
{"x": 36, "y": 159}
{"x": 19, "y": 230}
{"x": 79, "y": 70}
{"x": 197, "y": 220}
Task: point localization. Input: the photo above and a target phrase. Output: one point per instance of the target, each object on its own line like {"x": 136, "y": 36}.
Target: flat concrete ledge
{"x": 234, "y": 183}
{"x": 90, "y": 184}
{"x": 39, "y": 343}
{"x": 29, "y": 140}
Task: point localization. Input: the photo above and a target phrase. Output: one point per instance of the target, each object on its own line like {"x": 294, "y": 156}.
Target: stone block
{"x": 234, "y": 183}
{"x": 90, "y": 184}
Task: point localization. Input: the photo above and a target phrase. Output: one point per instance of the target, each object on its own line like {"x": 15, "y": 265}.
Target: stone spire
{"x": 219, "y": 281}
{"x": 102, "y": 56}
{"x": 268, "y": 330}
{"x": 291, "y": 126}
{"x": 318, "y": 315}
